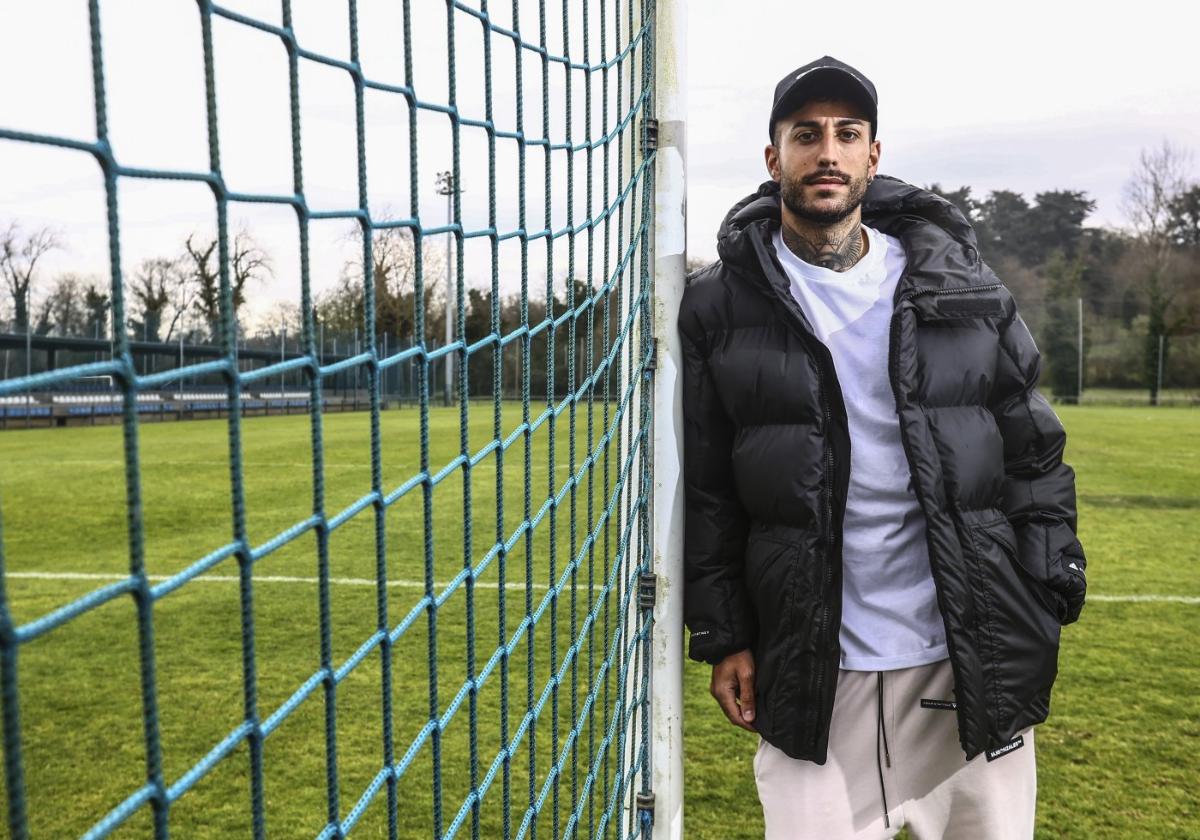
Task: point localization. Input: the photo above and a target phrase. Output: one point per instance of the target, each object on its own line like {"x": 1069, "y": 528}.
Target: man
{"x": 880, "y": 531}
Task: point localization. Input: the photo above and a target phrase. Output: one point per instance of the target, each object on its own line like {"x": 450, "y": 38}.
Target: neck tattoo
{"x": 835, "y": 249}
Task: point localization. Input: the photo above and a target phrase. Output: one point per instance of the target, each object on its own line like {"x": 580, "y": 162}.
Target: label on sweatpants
{"x": 1000, "y": 752}
{"x": 944, "y": 705}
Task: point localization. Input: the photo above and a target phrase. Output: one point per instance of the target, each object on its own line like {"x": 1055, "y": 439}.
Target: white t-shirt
{"x": 890, "y": 617}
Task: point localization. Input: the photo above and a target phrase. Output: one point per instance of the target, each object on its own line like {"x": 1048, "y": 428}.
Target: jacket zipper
{"x": 894, "y": 377}
{"x": 830, "y": 543}
{"x": 964, "y": 290}
{"x": 821, "y": 352}
{"x": 830, "y": 538}
{"x": 824, "y": 367}
{"x": 936, "y": 293}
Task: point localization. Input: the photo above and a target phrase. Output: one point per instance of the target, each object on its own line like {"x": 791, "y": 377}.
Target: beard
{"x": 791, "y": 191}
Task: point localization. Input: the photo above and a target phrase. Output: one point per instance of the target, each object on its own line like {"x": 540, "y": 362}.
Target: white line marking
{"x": 306, "y": 465}
{"x": 420, "y": 584}
{"x": 341, "y": 581}
{"x": 1137, "y": 599}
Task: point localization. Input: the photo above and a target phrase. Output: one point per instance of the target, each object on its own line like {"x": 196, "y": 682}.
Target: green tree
{"x": 960, "y": 198}
{"x": 1055, "y": 223}
{"x": 1004, "y": 226}
{"x": 96, "y": 303}
{"x": 478, "y": 324}
{"x": 1061, "y": 337}
{"x": 1007, "y": 225}
{"x": 1103, "y": 282}
{"x": 1183, "y": 224}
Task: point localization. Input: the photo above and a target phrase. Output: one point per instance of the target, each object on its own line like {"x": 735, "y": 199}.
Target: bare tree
{"x": 19, "y": 258}
{"x": 394, "y": 272}
{"x": 73, "y": 308}
{"x": 42, "y": 315}
{"x": 62, "y": 310}
{"x": 1158, "y": 182}
{"x": 247, "y": 262}
{"x": 1151, "y": 193}
{"x": 395, "y": 276}
{"x": 283, "y": 318}
{"x": 205, "y": 279}
{"x": 155, "y": 284}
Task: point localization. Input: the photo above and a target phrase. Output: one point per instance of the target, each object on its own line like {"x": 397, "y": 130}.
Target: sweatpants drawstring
{"x": 886, "y": 753}
{"x": 881, "y": 729}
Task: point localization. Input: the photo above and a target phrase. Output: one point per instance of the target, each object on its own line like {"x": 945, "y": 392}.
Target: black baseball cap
{"x": 823, "y": 76}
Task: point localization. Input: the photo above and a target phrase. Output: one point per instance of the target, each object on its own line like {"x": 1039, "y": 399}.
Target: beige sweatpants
{"x": 929, "y": 786}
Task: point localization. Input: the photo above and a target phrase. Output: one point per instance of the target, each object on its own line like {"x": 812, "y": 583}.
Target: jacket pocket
{"x": 1018, "y": 631}
{"x": 1001, "y": 532}
{"x": 1058, "y": 571}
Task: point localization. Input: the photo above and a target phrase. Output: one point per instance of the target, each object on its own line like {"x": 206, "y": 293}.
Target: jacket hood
{"x": 938, "y": 240}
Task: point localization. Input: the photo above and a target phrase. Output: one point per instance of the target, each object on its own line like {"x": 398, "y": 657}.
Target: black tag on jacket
{"x": 943, "y": 705}
{"x": 965, "y": 305}
{"x": 1011, "y": 746}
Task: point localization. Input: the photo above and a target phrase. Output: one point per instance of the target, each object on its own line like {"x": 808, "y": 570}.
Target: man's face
{"x": 822, "y": 158}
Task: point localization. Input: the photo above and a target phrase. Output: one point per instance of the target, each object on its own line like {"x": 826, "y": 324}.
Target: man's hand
{"x": 733, "y": 686}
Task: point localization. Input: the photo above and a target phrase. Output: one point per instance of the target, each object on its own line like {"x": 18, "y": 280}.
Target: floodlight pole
{"x": 28, "y": 345}
{"x": 448, "y": 185}
{"x": 1079, "y": 390}
{"x": 1158, "y": 390}
{"x": 179, "y": 320}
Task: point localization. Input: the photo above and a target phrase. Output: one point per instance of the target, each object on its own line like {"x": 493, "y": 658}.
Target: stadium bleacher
{"x": 101, "y": 403}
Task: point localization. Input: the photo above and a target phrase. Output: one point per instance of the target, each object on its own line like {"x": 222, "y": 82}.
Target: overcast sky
{"x": 1014, "y": 95}
{"x": 1020, "y": 95}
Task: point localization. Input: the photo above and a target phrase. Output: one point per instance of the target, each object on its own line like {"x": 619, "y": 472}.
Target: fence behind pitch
{"x": 577, "y": 253}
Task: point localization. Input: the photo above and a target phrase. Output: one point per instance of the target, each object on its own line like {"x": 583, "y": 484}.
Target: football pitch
{"x": 1120, "y": 754}
{"x": 65, "y": 535}
{"x": 1118, "y": 758}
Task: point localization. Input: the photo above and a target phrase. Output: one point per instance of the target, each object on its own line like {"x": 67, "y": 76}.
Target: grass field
{"x": 1120, "y": 754}
{"x": 1140, "y": 397}
{"x": 1118, "y": 758}
{"x": 64, "y": 511}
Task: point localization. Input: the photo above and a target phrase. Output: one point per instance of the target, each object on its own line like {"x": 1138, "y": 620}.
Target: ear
{"x": 873, "y": 158}
{"x": 771, "y": 156}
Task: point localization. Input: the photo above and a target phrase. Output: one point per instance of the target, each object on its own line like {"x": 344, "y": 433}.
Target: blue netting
{"x": 599, "y": 761}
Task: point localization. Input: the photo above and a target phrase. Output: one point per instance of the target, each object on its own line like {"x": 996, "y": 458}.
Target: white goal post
{"x": 670, "y": 257}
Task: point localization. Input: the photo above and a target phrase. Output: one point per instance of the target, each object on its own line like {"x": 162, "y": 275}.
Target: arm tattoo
{"x": 835, "y": 250}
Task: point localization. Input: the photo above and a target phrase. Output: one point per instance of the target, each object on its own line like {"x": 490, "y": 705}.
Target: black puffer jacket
{"x": 767, "y": 460}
